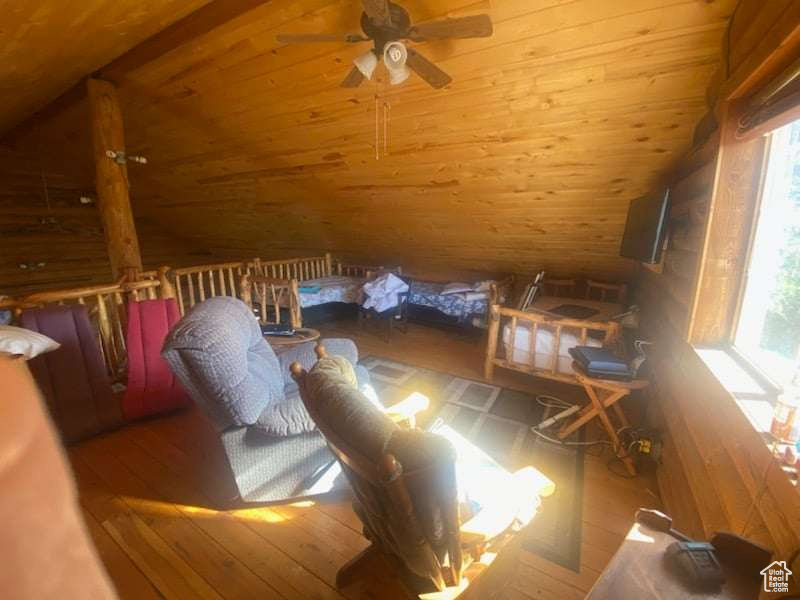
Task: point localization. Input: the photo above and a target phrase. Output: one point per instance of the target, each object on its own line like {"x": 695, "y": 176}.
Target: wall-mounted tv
{"x": 645, "y": 228}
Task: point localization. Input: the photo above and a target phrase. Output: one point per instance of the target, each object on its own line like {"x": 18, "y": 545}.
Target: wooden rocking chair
{"x": 406, "y": 495}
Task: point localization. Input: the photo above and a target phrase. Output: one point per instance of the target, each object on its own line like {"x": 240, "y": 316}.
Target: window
{"x": 768, "y": 331}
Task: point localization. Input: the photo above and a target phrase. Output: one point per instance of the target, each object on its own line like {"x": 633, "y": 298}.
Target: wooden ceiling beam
{"x": 202, "y": 21}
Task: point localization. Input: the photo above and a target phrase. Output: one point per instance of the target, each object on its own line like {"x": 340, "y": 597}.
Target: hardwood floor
{"x": 154, "y": 496}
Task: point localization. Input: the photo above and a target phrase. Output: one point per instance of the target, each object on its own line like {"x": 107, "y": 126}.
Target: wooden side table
{"x": 603, "y": 394}
{"x": 300, "y": 336}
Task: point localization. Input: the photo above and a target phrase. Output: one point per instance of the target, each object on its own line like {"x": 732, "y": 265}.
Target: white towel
{"x": 381, "y": 293}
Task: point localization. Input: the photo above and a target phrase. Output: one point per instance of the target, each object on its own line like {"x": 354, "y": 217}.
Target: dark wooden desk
{"x": 640, "y": 570}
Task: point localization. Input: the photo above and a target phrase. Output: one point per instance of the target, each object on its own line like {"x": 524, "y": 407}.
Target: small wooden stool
{"x": 616, "y": 391}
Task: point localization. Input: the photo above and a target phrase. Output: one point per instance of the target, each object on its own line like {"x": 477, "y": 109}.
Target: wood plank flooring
{"x": 158, "y": 500}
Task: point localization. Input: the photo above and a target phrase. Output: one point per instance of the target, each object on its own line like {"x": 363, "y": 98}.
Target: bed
{"x": 541, "y": 357}
{"x": 333, "y": 293}
{"x": 334, "y": 288}
{"x": 539, "y": 343}
{"x": 429, "y": 299}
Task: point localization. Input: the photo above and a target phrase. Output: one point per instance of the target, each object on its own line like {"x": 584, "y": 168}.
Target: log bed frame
{"x": 265, "y": 287}
{"x": 537, "y": 323}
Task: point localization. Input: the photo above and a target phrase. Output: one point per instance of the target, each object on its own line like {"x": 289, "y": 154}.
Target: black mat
{"x": 498, "y": 420}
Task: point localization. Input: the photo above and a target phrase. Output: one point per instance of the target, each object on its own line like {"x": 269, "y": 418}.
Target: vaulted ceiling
{"x": 527, "y": 160}
{"x": 46, "y": 46}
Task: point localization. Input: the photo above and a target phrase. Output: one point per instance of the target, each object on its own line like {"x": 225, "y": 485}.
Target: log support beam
{"x": 111, "y": 175}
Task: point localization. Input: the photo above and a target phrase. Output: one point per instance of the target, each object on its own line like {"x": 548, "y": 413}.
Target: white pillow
{"x": 456, "y": 288}
{"x": 16, "y": 340}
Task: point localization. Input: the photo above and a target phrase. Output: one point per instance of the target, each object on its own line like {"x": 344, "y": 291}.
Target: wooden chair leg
{"x": 345, "y": 575}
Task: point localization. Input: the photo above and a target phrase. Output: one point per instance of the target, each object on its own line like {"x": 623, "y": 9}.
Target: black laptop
{"x": 601, "y": 363}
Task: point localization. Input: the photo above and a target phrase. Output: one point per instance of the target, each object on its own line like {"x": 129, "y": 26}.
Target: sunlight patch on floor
{"x": 260, "y": 514}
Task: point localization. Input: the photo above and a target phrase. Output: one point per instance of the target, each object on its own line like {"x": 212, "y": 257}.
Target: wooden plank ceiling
{"x": 527, "y": 160}
{"x": 46, "y": 46}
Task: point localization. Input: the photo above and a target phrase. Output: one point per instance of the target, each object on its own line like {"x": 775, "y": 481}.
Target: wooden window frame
{"x": 737, "y": 196}
{"x": 736, "y": 193}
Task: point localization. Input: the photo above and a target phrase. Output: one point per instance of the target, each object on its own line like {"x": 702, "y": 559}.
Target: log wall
{"x": 717, "y": 472}
{"x": 67, "y": 236}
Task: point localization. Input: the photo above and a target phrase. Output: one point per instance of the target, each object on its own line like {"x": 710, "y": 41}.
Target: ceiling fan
{"x": 385, "y": 23}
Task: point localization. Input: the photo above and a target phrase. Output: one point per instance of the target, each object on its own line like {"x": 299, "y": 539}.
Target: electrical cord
{"x": 629, "y": 437}
{"x": 558, "y": 403}
{"x": 563, "y": 443}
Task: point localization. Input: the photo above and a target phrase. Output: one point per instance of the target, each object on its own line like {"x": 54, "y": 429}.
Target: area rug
{"x": 498, "y": 421}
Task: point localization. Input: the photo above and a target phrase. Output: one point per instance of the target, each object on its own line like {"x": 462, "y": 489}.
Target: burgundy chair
{"x": 152, "y": 388}
{"x": 73, "y": 379}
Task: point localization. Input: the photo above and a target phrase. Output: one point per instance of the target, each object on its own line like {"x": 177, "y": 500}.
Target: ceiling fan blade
{"x": 378, "y": 11}
{"x": 463, "y": 27}
{"x": 427, "y": 70}
{"x": 353, "y": 79}
{"x": 306, "y": 38}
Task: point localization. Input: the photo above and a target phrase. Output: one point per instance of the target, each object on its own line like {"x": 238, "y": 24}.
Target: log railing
{"x": 301, "y": 269}
{"x": 106, "y": 303}
{"x": 364, "y": 271}
{"x": 606, "y": 292}
{"x": 195, "y": 284}
{"x": 269, "y": 296}
{"x": 538, "y": 325}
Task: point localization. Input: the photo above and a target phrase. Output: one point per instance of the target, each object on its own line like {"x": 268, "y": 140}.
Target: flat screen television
{"x": 645, "y": 228}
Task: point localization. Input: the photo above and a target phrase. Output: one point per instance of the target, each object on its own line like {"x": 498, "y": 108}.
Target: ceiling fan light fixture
{"x": 395, "y": 56}
{"x": 366, "y": 63}
{"x": 398, "y": 76}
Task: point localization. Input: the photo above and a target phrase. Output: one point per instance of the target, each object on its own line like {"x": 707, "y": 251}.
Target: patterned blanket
{"x": 427, "y": 293}
{"x": 331, "y": 289}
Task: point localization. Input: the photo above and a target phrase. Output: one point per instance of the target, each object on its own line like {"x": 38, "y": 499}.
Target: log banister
{"x": 106, "y": 302}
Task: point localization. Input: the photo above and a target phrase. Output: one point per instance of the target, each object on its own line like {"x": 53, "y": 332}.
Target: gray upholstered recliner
{"x": 220, "y": 356}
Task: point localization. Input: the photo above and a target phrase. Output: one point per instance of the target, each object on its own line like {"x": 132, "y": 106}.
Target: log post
{"x": 295, "y": 312}
{"x": 491, "y": 341}
{"x": 167, "y": 289}
{"x": 246, "y": 289}
{"x": 111, "y": 176}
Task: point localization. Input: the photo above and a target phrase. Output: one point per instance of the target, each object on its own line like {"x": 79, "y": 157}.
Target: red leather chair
{"x": 152, "y": 388}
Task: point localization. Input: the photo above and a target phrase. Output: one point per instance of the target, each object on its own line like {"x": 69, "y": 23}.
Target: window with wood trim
{"x": 767, "y": 331}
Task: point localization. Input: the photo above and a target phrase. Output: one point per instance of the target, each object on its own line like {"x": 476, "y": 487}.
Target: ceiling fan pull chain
{"x": 377, "y": 128}
{"x": 387, "y": 111}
